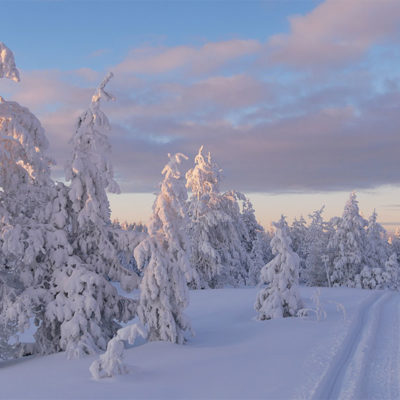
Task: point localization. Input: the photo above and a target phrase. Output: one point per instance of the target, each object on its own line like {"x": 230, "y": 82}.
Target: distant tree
{"x": 298, "y": 234}
{"x": 165, "y": 256}
{"x": 347, "y": 246}
{"x": 392, "y": 269}
{"x": 373, "y": 275}
{"x": 217, "y": 228}
{"x": 257, "y": 242}
{"x": 377, "y": 247}
{"x": 280, "y": 297}
{"x": 316, "y": 273}
{"x": 394, "y": 243}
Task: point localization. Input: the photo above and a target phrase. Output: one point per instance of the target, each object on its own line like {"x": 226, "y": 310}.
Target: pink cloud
{"x": 47, "y": 88}
{"x": 217, "y": 94}
{"x": 266, "y": 135}
{"x": 198, "y": 60}
{"x": 335, "y": 32}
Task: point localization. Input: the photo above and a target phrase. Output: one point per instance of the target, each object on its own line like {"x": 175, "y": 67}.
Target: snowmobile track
{"x": 356, "y": 363}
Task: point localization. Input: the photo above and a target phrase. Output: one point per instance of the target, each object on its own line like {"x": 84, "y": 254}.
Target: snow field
{"x": 232, "y": 355}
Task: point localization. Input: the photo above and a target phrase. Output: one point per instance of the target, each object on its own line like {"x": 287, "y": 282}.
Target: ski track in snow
{"x": 367, "y": 364}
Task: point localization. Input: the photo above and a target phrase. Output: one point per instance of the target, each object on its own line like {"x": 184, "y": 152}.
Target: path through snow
{"x": 367, "y": 364}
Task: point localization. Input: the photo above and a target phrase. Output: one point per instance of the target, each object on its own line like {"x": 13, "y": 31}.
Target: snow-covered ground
{"x": 351, "y": 355}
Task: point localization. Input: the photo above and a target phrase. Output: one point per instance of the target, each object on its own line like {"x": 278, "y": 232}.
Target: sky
{"x": 297, "y": 101}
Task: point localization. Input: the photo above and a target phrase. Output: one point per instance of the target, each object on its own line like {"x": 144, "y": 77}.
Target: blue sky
{"x": 76, "y": 31}
{"x": 297, "y": 100}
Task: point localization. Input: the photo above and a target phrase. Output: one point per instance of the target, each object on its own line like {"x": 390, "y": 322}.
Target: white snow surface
{"x": 235, "y": 356}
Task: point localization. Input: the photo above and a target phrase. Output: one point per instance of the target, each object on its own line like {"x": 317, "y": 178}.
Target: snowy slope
{"x": 235, "y": 356}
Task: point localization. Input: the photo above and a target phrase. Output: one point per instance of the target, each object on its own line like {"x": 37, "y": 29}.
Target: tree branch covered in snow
{"x": 8, "y": 68}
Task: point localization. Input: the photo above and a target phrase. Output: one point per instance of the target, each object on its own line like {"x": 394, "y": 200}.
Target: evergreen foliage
{"x": 280, "y": 297}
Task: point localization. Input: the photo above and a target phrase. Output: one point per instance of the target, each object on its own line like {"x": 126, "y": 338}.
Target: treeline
{"x": 346, "y": 251}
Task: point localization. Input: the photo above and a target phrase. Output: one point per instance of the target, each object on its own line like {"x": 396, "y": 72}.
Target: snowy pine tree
{"x": 392, "y": 270}
{"x": 377, "y": 248}
{"x": 281, "y": 297}
{"x": 316, "y": 273}
{"x": 217, "y": 228}
{"x": 26, "y": 189}
{"x": 87, "y": 304}
{"x": 394, "y": 243}
{"x": 347, "y": 245}
{"x": 255, "y": 240}
{"x": 373, "y": 275}
{"x": 8, "y": 69}
{"x": 298, "y": 235}
{"x": 165, "y": 257}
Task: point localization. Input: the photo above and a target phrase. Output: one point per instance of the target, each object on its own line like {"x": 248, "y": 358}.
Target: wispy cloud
{"x": 335, "y": 32}
{"x": 196, "y": 60}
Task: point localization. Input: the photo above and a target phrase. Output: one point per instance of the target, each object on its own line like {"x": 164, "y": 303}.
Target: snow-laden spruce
{"x": 84, "y": 308}
{"x": 392, "y": 270}
{"x": 373, "y": 274}
{"x": 348, "y": 246}
{"x": 96, "y": 241}
{"x": 280, "y": 297}
{"x": 256, "y": 242}
{"x": 377, "y": 248}
{"x": 8, "y": 69}
{"x": 394, "y": 242}
{"x": 25, "y": 227}
{"x": 87, "y": 304}
{"x": 316, "y": 262}
{"x": 217, "y": 229}
{"x": 164, "y": 255}
{"x": 298, "y": 234}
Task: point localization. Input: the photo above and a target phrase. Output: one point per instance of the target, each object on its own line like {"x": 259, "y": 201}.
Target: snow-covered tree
{"x": 8, "y": 69}
{"x": 164, "y": 255}
{"x": 91, "y": 174}
{"x": 373, "y": 275}
{"x": 392, "y": 269}
{"x": 347, "y": 245}
{"x": 316, "y": 273}
{"x": 26, "y": 189}
{"x": 111, "y": 363}
{"x": 298, "y": 235}
{"x": 256, "y": 241}
{"x": 377, "y": 247}
{"x": 280, "y": 297}
{"x": 87, "y": 304}
{"x": 372, "y": 278}
{"x": 394, "y": 243}
{"x": 217, "y": 228}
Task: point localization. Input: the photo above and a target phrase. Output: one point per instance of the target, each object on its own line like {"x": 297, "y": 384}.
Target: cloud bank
{"x": 304, "y": 110}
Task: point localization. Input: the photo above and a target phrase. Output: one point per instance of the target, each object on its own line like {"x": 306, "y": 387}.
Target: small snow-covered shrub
{"x": 111, "y": 363}
{"x": 318, "y": 309}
